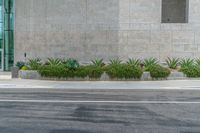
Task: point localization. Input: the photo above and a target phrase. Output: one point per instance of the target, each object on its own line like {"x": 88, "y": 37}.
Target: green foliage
{"x": 149, "y": 63}
{"x": 58, "y": 71}
{"x": 81, "y": 72}
{"x": 197, "y": 62}
{"x": 94, "y": 71}
{"x": 98, "y": 62}
{"x": 54, "y": 62}
{"x": 20, "y": 64}
{"x": 124, "y": 71}
{"x": 71, "y": 64}
{"x": 191, "y": 71}
{"x": 25, "y": 68}
{"x": 172, "y": 62}
{"x": 115, "y": 62}
{"x": 184, "y": 63}
{"x": 158, "y": 71}
{"x": 134, "y": 62}
{"x": 34, "y": 64}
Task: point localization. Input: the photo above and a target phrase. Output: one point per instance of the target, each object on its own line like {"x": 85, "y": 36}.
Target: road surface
{"x": 99, "y": 111}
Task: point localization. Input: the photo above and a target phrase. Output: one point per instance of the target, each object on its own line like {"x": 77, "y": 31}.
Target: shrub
{"x": 149, "y": 63}
{"x": 20, "y": 64}
{"x": 58, "y": 71}
{"x": 24, "y": 68}
{"x": 81, "y": 72}
{"x": 158, "y": 71}
{"x": 191, "y": 71}
{"x": 98, "y": 62}
{"x": 94, "y": 71}
{"x": 172, "y": 62}
{"x": 184, "y": 63}
{"x": 53, "y": 62}
{"x": 134, "y": 62}
{"x": 124, "y": 71}
{"x": 71, "y": 64}
{"x": 34, "y": 64}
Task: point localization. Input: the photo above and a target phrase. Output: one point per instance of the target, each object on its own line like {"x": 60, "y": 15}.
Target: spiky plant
{"x": 134, "y": 62}
{"x": 98, "y": 62}
{"x": 197, "y": 62}
{"x": 34, "y": 63}
{"x": 172, "y": 62}
{"x": 149, "y": 63}
{"x": 115, "y": 62}
{"x": 54, "y": 61}
{"x": 187, "y": 62}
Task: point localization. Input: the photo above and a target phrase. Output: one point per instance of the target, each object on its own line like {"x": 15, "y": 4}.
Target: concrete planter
{"x": 14, "y": 72}
{"x": 145, "y": 77}
{"x": 29, "y": 74}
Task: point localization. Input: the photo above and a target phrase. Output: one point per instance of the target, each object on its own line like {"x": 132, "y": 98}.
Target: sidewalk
{"x": 169, "y": 84}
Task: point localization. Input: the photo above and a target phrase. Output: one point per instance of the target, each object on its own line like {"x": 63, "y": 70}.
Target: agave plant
{"x": 54, "y": 61}
{"x": 98, "y": 62}
{"x": 34, "y": 63}
{"x": 150, "y": 62}
{"x": 115, "y": 62}
{"x": 71, "y": 63}
{"x": 172, "y": 62}
{"x": 185, "y": 63}
{"x": 197, "y": 62}
{"x": 134, "y": 62}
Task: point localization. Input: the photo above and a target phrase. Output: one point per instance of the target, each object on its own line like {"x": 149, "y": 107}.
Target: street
{"x": 99, "y": 111}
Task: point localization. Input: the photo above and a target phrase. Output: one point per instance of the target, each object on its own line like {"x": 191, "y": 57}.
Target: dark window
{"x": 175, "y": 11}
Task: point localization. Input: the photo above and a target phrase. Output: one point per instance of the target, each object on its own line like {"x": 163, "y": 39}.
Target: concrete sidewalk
{"x": 169, "y": 84}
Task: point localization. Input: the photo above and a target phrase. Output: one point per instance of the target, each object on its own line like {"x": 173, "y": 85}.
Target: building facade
{"x": 88, "y": 29}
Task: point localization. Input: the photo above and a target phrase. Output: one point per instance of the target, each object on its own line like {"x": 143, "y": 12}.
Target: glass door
{"x": 1, "y": 60}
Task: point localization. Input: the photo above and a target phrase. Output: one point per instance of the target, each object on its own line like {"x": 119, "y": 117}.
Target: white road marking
{"x": 114, "y": 102}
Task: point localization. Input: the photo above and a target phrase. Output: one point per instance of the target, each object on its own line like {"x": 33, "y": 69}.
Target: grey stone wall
{"x": 88, "y": 29}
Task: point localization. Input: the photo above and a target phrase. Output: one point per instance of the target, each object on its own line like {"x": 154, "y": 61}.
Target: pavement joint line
{"x": 114, "y": 102}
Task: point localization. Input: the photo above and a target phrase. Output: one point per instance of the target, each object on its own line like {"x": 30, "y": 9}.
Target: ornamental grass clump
{"x": 191, "y": 71}
{"x": 158, "y": 71}
{"x": 54, "y": 71}
{"x": 122, "y": 71}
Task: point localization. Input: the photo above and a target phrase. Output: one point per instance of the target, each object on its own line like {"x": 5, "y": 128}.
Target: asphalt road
{"x": 99, "y": 111}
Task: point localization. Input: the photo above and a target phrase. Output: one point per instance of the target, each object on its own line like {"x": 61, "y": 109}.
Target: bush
{"x": 34, "y": 64}
{"x": 20, "y": 64}
{"x": 94, "y": 71}
{"x": 124, "y": 71}
{"x": 158, "y": 71}
{"x": 71, "y": 64}
{"x": 24, "y": 68}
{"x": 59, "y": 71}
{"x": 81, "y": 72}
{"x": 192, "y": 71}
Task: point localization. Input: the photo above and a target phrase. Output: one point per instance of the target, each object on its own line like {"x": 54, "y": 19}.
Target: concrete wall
{"x": 88, "y": 29}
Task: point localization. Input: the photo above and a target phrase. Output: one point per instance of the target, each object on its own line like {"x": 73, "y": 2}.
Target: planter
{"x": 177, "y": 76}
{"x": 15, "y": 71}
{"x": 29, "y": 74}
